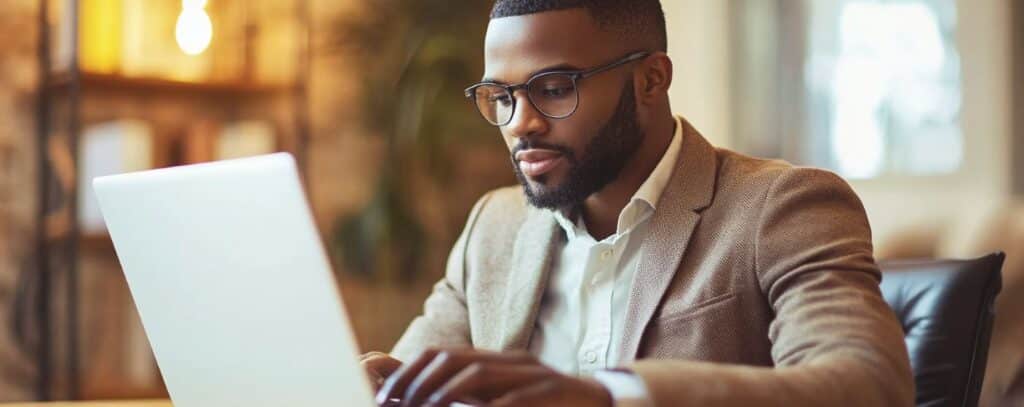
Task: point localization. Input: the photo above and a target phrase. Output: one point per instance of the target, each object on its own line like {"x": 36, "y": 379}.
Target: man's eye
{"x": 504, "y": 100}
{"x": 556, "y": 92}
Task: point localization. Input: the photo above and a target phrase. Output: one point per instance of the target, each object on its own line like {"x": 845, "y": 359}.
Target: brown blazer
{"x": 757, "y": 286}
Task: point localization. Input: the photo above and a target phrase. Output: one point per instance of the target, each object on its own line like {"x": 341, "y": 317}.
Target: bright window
{"x": 884, "y": 80}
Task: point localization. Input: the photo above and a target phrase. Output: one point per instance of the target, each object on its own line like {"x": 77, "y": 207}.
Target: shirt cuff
{"x": 626, "y": 388}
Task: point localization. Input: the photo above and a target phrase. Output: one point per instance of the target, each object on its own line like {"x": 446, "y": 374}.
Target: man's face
{"x": 561, "y": 162}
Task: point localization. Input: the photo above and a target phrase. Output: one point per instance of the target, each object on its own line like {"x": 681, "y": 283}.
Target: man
{"x": 637, "y": 264}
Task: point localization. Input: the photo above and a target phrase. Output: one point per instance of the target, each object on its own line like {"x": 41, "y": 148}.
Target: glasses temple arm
{"x": 630, "y": 58}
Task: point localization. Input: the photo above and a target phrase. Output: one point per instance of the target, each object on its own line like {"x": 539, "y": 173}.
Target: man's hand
{"x": 378, "y": 367}
{"x": 440, "y": 377}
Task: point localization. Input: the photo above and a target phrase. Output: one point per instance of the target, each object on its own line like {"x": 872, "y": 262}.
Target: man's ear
{"x": 654, "y": 77}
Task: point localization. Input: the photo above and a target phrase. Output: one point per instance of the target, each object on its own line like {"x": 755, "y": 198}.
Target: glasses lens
{"x": 554, "y": 95}
{"x": 495, "y": 104}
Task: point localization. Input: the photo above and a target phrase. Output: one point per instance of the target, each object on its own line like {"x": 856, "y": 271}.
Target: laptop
{"x": 234, "y": 288}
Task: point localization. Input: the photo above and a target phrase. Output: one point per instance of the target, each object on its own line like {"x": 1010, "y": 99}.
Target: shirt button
{"x": 591, "y": 357}
{"x": 605, "y": 255}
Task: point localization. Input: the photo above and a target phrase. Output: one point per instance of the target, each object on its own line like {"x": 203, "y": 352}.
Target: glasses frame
{"x": 576, "y": 77}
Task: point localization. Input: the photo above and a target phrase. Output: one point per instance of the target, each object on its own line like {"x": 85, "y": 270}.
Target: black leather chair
{"x": 946, "y": 308}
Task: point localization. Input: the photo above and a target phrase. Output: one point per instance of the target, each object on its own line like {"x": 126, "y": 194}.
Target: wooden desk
{"x": 139, "y": 403}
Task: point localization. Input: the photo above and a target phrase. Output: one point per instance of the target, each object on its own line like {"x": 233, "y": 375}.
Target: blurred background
{"x": 918, "y": 103}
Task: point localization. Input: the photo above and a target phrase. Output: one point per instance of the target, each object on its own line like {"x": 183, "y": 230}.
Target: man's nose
{"x": 527, "y": 121}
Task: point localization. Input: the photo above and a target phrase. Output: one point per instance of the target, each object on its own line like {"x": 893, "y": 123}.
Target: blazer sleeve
{"x": 835, "y": 342}
{"x": 445, "y": 319}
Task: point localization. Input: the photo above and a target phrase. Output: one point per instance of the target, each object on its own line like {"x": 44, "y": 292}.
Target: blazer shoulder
{"x": 508, "y": 198}
{"x": 502, "y": 205}
{"x": 763, "y": 176}
{"x": 499, "y": 213}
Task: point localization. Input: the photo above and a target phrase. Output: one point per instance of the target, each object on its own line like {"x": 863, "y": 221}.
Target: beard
{"x": 603, "y": 158}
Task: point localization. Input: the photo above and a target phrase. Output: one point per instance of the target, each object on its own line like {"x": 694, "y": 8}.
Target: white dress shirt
{"x": 579, "y": 324}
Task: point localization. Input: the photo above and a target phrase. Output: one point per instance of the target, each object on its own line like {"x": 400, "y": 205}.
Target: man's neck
{"x": 601, "y": 210}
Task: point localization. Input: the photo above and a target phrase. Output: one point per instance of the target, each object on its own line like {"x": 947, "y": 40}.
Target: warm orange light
{"x": 194, "y": 30}
{"x": 100, "y": 39}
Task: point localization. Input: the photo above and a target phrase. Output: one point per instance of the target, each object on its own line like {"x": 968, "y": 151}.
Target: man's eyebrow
{"x": 553, "y": 68}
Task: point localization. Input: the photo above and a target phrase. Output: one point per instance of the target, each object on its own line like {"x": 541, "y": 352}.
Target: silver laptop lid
{"x": 235, "y": 292}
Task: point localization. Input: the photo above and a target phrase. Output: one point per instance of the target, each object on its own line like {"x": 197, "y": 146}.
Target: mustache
{"x": 526, "y": 144}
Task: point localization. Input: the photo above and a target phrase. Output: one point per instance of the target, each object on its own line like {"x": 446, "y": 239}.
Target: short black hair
{"x": 641, "y": 21}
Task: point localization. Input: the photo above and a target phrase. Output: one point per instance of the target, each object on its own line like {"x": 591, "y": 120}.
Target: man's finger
{"x": 376, "y": 380}
{"x": 372, "y": 355}
{"x": 382, "y": 364}
{"x": 447, "y": 364}
{"x": 395, "y": 384}
{"x": 484, "y": 382}
{"x": 444, "y": 366}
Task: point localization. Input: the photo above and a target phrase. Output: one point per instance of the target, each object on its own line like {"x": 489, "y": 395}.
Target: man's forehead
{"x": 518, "y": 46}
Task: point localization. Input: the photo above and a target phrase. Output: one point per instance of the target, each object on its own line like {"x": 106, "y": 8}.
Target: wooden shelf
{"x": 92, "y": 81}
{"x": 107, "y": 390}
{"x": 96, "y": 241}
{"x": 92, "y": 241}
{"x": 65, "y": 104}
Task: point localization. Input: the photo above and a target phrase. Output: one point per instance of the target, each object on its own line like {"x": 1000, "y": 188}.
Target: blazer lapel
{"x": 528, "y": 277}
{"x": 689, "y": 190}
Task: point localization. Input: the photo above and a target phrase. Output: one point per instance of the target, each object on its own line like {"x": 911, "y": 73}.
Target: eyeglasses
{"x": 554, "y": 94}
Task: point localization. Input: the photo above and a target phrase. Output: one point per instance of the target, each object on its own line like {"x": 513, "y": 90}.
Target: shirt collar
{"x": 645, "y": 200}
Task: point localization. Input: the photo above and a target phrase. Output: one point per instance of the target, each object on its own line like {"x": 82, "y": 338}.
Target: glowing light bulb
{"x": 194, "y": 30}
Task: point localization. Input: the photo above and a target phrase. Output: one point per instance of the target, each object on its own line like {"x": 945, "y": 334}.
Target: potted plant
{"x": 415, "y": 57}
